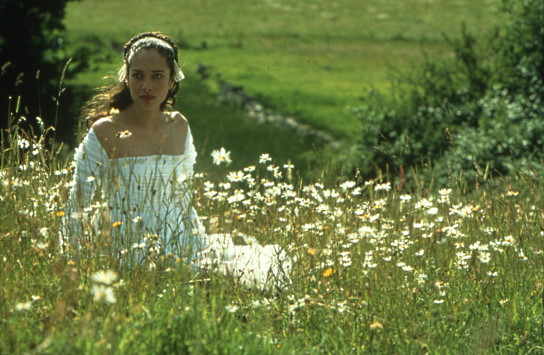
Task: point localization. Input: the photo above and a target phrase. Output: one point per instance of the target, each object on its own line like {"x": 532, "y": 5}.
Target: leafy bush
{"x": 478, "y": 113}
{"x": 31, "y": 58}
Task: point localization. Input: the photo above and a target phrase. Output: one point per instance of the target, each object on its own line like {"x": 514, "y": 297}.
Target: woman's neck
{"x": 142, "y": 118}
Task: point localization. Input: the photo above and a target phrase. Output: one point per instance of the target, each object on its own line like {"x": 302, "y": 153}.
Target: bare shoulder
{"x": 179, "y": 121}
{"x": 177, "y": 118}
{"x": 104, "y": 126}
{"x": 106, "y": 130}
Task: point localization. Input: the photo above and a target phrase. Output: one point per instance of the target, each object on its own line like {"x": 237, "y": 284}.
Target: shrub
{"x": 478, "y": 113}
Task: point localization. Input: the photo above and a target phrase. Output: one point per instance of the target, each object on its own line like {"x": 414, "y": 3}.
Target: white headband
{"x": 150, "y": 42}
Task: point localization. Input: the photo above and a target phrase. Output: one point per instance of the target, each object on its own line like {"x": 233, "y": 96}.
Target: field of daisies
{"x": 376, "y": 268}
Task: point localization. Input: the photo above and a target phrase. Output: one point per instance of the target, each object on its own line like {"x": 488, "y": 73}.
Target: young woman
{"x": 133, "y": 169}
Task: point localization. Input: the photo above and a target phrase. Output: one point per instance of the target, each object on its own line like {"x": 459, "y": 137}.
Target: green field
{"x": 377, "y": 270}
{"x": 313, "y": 60}
{"x": 378, "y": 267}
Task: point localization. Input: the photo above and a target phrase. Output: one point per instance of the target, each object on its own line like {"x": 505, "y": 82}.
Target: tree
{"x": 31, "y": 57}
{"x": 479, "y": 113}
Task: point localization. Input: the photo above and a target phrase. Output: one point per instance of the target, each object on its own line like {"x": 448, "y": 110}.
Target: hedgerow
{"x": 476, "y": 114}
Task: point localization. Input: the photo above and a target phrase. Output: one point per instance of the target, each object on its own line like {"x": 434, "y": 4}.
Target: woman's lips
{"x": 147, "y": 97}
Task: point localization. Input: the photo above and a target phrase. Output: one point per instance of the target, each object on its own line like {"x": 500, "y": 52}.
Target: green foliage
{"x": 478, "y": 113}
{"x": 31, "y": 56}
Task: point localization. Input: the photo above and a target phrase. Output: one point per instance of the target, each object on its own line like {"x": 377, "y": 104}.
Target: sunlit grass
{"x": 378, "y": 269}
{"x": 312, "y": 60}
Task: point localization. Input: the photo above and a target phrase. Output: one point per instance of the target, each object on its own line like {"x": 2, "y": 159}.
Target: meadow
{"x": 377, "y": 269}
{"x": 312, "y": 60}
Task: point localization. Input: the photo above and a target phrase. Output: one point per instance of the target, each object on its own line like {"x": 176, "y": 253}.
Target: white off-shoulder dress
{"x": 143, "y": 205}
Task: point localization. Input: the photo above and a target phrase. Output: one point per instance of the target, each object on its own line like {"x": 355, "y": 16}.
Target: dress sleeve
{"x": 91, "y": 165}
{"x": 190, "y": 151}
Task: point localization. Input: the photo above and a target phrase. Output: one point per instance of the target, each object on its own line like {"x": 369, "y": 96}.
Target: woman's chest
{"x": 140, "y": 144}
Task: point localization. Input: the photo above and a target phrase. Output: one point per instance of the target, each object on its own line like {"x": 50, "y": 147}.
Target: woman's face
{"x": 149, "y": 79}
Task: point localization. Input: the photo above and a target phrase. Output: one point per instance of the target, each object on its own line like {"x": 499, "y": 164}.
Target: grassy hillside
{"x": 310, "y": 59}
{"x": 376, "y": 269}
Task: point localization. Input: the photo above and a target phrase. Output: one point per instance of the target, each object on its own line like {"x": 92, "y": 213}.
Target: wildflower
{"x": 345, "y": 258}
{"x": 123, "y": 134}
{"x": 249, "y": 169}
{"x": 235, "y": 176}
{"x": 423, "y": 204}
{"x": 42, "y": 246}
{"x": 23, "y": 143}
{"x": 504, "y": 301}
{"x": 91, "y": 178}
{"x": 383, "y": 187}
{"x": 347, "y": 185}
{"x": 342, "y": 306}
{"x": 366, "y": 232}
{"x": 376, "y": 326}
{"x": 405, "y": 198}
{"x": 329, "y": 272}
{"x": 224, "y": 185}
{"x": 353, "y": 238}
{"x": 511, "y": 193}
{"x": 379, "y": 204}
{"x": 432, "y": 211}
{"x": 356, "y": 191}
{"x": 463, "y": 211}
{"x": 44, "y": 232}
{"x": 404, "y": 267}
{"x": 484, "y": 257}
{"x": 23, "y": 306}
{"x": 238, "y": 196}
{"x": 106, "y": 277}
{"x": 140, "y": 245}
{"x": 421, "y": 278}
{"x": 489, "y": 230}
{"x": 508, "y": 240}
{"x": 231, "y": 308}
{"x": 326, "y": 252}
{"x": 439, "y": 301}
{"x": 221, "y": 156}
{"x": 103, "y": 293}
{"x": 323, "y": 209}
{"x": 116, "y": 224}
{"x": 264, "y": 158}
{"x": 452, "y": 231}
{"x": 208, "y": 186}
{"x": 182, "y": 177}
{"x": 59, "y": 213}
{"x": 444, "y": 195}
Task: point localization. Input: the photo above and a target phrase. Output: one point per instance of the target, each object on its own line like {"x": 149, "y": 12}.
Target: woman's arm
{"x": 91, "y": 164}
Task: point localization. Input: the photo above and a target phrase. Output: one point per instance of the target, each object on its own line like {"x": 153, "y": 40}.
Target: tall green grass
{"x": 377, "y": 269}
{"x": 309, "y": 59}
